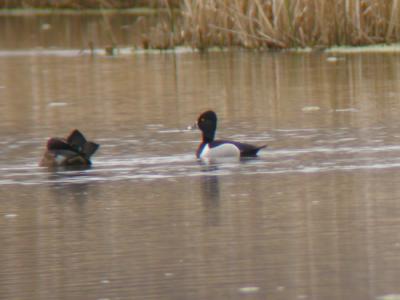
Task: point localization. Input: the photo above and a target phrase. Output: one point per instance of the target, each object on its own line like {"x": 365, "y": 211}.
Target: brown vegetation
{"x": 286, "y": 23}
{"x": 256, "y": 23}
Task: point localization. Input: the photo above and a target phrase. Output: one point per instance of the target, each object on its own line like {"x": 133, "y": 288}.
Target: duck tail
{"x": 254, "y": 151}
{"x": 262, "y": 147}
{"x": 258, "y": 149}
{"x": 77, "y": 141}
{"x": 89, "y": 149}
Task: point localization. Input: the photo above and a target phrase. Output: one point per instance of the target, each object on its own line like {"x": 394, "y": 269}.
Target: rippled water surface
{"x": 315, "y": 216}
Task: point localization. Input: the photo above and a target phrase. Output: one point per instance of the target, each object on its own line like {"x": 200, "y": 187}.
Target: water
{"x": 316, "y": 216}
{"x": 46, "y": 30}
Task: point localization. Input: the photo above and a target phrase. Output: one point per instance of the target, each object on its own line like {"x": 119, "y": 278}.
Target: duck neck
{"x": 208, "y": 138}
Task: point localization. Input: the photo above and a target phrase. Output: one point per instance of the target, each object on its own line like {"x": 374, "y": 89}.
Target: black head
{"x": 207, "y": 122}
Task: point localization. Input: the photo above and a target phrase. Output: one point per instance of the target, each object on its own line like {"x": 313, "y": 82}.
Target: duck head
{"x": 207, "y": 123}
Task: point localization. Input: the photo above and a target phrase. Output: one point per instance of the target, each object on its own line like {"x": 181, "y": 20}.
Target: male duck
{"x": 75, "y": 150}
{"x": 211, "y": 148}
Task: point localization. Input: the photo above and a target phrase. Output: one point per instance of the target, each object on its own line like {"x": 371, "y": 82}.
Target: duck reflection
{"x": 70, "y": 183}
{"x": 210, "y": 194}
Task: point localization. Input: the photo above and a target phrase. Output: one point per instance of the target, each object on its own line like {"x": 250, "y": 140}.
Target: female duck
{"x": 211, "y": 148}
{"x": 75, "y": 150}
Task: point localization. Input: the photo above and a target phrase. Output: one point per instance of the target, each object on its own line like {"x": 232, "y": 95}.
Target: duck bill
{"x": 193, "y": 126}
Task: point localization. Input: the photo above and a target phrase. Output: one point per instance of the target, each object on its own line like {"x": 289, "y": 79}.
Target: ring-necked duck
{"x": 211, "y": 148}
{"x": 74, "y": 150}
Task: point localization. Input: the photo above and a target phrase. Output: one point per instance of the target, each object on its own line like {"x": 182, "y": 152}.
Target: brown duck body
{"x": 74, "y": 150}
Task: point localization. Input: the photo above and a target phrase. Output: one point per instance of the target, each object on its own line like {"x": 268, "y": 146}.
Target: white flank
{"x": 59, "y": 159}
{"x": 223, "y": 151}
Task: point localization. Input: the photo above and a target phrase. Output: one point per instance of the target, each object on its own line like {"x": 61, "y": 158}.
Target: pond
{"x": 315, "y": 216}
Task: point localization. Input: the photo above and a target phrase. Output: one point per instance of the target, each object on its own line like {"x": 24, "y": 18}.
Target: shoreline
{"x": 173, "y": 32}
{"x": 125, "y": 51}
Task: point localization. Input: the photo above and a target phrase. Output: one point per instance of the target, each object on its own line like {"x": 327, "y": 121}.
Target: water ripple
{"x": 272, "y": 161}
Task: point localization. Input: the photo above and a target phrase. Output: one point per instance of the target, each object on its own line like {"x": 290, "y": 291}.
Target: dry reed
{"x": 258, "y": 23}
{"x": 286, "y": 23}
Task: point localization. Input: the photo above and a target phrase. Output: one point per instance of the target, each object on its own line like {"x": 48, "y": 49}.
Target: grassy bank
{"x": 277, "y": 24}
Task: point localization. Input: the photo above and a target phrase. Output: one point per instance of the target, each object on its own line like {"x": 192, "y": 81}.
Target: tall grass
{"x": 287, "y": 23}
{"x": 257, "y": 23}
